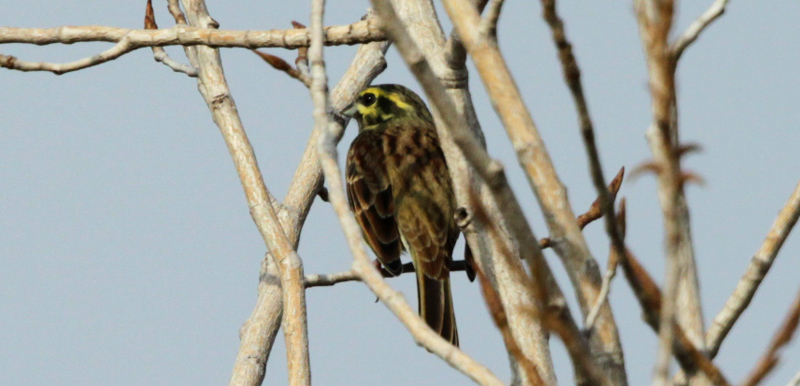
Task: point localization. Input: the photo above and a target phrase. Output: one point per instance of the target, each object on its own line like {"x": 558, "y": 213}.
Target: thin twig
{"x": 550, "y": 307}
{"x": 159, "y": 53}
{"x": 132, "y": 39}
{"x": 782, "y": 337}
{"x": 532, "y": 155}
{"x": 330, "y": 279}
{"x": 682, "y": 297}
{"x": 455, "y": 55}
{"x": 360, "y": 32}
{"x": 180, "y": 19}
{"x": 755, "y": 273}
{"x": 595, "y": 211}
{"x": 488, "y": 26}
{"x": 698, "y": 26}
{"x": 572, "y": 75}
{"x": 281, "y": 65}
{"x": 611, "y": 270}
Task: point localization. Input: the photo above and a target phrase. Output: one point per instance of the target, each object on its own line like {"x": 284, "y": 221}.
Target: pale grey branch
{"x": 698, "y": 26}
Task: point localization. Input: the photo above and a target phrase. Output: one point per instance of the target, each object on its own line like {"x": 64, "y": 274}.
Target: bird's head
{"x": 387, "y": 103}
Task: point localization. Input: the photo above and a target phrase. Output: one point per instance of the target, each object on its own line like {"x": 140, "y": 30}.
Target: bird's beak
{"x": 351, "y": 110}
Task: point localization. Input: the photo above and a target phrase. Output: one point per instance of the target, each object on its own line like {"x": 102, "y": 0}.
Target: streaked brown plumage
{"x": 400, "y": 191}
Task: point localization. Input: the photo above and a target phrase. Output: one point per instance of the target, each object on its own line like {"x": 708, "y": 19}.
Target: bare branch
{"x": 360, "y": 32}
{"x": 159, "y": 53}
{"x": 604, "y": 205}
{"x": 782, "y": 337}
{"x": 550, "y": 307}
{"x": 755, "y": 273}
{"x": 259, "y": 330}
{"x": 327, "y": 280}
{"x": 214, "y": 88}
{"x": 533, "y": 157}
{"x": 682, "y": 294}
{"x": 180, "y": 19}
{"x": 611, "y": 270}
{"x": 330, "y": 279}
{"x": 488, "y": 25}
{"x": 128, "y": 40}
{"x": 498, "y": 314}
{"x": 281, "y": 65}
{"x": 12, "y": 63}
{"x": 698, "y": 26}
{"x": 594, "y": 212}
{"x": 607, "y": 193}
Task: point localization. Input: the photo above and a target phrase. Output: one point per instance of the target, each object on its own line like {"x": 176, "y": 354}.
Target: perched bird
{"x": 399, "y": 188}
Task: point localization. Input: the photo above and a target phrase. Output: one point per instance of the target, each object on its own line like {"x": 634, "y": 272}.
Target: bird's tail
{"x": 436, "y": 306}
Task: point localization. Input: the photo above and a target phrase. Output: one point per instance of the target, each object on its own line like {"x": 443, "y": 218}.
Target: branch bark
{"x": 214, "y": 89}
{"x": 128, "y": 40}
{"x": 755, "y": 273}
{"x": 532, "y": 155}
{"x": 697, "y": 27}
{"x": 681, "y": 292}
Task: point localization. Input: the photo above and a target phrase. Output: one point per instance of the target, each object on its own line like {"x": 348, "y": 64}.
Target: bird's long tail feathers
{"x": 436, "y": 306}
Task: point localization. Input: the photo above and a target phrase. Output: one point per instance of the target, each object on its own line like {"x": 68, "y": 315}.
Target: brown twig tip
{"x": 302, "y": 52}
{"x": 645, "y": 167}
{"x": 149, "y": 16}
{"x": 688, "y": 148}
{"x": 689, "y": 176}
{"x": 782, "y": 337}
{"x": 615, "y": 184}
{"x": 644, "y": 287}
{"x": 281, "y": 65}
{"x": 276, "y": 62}
{"x": 595, "y": 211}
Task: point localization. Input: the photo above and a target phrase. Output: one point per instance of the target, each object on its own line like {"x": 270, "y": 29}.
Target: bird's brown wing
{"x": 370, "y": 195}
{"x": 425, "y": 205}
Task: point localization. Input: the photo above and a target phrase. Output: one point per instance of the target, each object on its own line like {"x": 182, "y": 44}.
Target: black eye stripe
{"x": 385, "y": 104}
{"x": 368, "y": 99}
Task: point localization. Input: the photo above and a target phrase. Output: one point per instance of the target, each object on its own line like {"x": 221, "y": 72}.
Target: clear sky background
{"x": 128, "y": 257}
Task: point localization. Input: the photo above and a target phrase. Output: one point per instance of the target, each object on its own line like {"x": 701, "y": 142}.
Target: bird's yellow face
{"x": 390, "y": 103}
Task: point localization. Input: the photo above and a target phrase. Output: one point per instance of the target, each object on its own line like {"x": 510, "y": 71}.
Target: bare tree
{"x": 524, "y": 299}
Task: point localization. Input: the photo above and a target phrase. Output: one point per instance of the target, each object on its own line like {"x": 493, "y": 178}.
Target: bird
{"x": 401, "y": 194}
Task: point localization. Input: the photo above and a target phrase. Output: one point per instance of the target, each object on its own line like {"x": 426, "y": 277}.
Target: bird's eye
{"x": 368, "y": 99}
